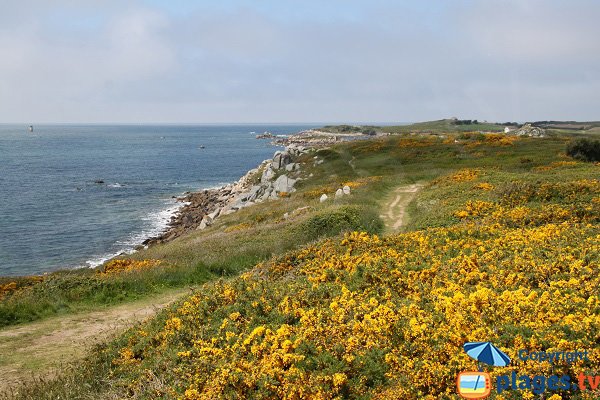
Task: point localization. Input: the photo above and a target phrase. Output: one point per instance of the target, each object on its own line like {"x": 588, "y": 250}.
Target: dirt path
{"x": 395, "y": 209}
{"x": 39, "y": 348}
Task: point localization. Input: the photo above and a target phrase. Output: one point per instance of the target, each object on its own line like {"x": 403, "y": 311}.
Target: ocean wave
{"x": 157, "y": 222}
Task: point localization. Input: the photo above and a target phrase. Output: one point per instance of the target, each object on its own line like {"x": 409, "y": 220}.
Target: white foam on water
{"x": 96, "y": 262}
{"x": 157, "y": 224}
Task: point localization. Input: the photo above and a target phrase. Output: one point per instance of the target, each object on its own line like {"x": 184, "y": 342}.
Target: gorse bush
{"x": 584, "y": 149}
{"x": 370, "y": 317}
{"x": 497, "y": 249}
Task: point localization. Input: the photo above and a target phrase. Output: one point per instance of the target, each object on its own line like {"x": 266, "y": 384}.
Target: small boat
{"x": 201, "y": 146}
{"x": 30, "y": 128}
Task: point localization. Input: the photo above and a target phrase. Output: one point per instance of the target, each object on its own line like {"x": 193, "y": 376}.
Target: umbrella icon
{"x": 487, "y": 353}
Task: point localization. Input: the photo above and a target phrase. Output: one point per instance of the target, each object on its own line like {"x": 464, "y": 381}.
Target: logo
{"x": 478, "y": 385}
{"x": 474, "y": 385}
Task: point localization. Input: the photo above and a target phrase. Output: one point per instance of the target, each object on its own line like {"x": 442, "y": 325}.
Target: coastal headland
{"x": 354, "y": 262}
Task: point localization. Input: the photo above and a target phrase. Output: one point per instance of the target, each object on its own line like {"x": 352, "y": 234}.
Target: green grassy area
{"x": 437, "y": 127}
{"x": 234, "y": 243}
{"x": 443, "y": 126}
{"x": 491, "y": 207}
{"x": 456, "y": 126}
{"x": 238, "y": 241}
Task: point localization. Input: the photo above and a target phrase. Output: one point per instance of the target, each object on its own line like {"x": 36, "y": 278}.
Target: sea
{"x": 74, "y": 196}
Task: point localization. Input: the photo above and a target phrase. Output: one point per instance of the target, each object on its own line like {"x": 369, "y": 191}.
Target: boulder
{"x": 206, "y": 222}
{"x": 291, "y": 167}
{"x": 214, "y": 214}
{"x": 284, "y": 184}
{"x": 267, "y": 193}
{"x": 187, "y": 220}
{"x": 255, "y": 192}
{"x": 529, "y": 130}
{"x": 323, "y": 198}
{"x": 277, "y": 160}
{"x": 346, "y": 189}
{"x": 251, "y": 194}
{"x": 282, "y": 158}
{"x": 267, "y": 175}
{"x": 338, "y": 193}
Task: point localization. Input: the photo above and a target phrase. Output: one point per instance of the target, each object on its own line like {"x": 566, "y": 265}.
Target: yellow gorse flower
{"x": 386, "y": 317}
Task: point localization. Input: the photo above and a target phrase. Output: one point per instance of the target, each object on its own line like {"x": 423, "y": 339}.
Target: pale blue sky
{"x": 295, "y": 61}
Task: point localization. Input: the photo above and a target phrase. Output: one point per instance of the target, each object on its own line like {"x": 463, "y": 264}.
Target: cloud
{"x": 288, "y": 61}
{"x": 538, "y": 31}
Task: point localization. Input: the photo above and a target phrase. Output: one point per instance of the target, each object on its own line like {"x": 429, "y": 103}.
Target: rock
{"x": 277, "y": 160}
{"x": 286, "y": 216}
{"x": 323, "y": 198}
{"x": 254, "y": 192}
{"x": 214, "y": 214}
{"x": 290, "y": 167}
{"x": 284, "y": 184}
{"x": 206, "y": 222}
{"x": 529, "y": 130}
{"x": 281, "y": 159}
{"x": 346, "y": 189}
{"x": 238, "y": 204}
{"x": 187, "y": 220}
{"x": 285, "y": 160}
{"x": 338, "y": 193}
{"x": 266, "y": 193}
{"x": 267, "y": 175}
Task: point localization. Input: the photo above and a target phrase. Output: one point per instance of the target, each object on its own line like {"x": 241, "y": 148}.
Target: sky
{"x": 251, "y": 61}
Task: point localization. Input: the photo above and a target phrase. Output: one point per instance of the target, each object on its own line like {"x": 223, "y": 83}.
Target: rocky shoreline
{"x": 317, "y": 138}
{"x": 272, "y": 179}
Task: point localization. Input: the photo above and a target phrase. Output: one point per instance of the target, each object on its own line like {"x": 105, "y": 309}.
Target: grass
{"x": 443, "y": 126}
{"x": 526, "y": 204}
{"x": 237, "y": 242}
{"x": 43, "y": 347}
{"x": 234, "y": 243}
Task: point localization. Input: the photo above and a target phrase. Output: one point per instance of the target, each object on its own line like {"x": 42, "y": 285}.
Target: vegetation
{"x": 444, "y": 126}
{"x": 364, "y": 130}
{"x": 584, "y": 149}
{"x": 501, "y": 245}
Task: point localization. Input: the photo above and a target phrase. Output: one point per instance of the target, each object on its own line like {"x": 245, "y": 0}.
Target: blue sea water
{"x": 54, "y": 215}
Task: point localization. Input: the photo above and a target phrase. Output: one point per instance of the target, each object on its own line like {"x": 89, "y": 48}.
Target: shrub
{"x": 584, "y": 149}
{"x": 347, "y": 218}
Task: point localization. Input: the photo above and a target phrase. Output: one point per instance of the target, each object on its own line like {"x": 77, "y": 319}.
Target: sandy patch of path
{"x": 395, "y": 209}
{"x": 38, "y": 349}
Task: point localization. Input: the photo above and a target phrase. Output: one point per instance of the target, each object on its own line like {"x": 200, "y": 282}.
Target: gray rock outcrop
{"x": 529, "y": 130}
{"x": 200, "y": 209}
